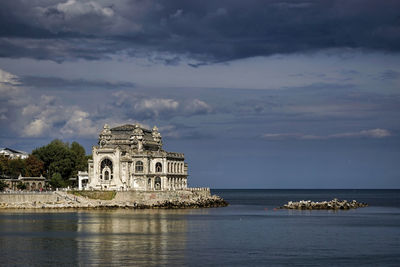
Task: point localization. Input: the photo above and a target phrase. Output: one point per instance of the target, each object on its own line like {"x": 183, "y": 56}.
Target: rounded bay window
{"x": 106, "y": 169}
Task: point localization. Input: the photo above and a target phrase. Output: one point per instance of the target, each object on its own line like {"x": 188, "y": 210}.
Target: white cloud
{"x": 35, "y": 128}
{"x": 170, "y": 131}
{"x": 156, "y": 105}
{"x": 47, "y": 117}
{"x": 8, "y": 78}
{"x": 3, "y": 112}
{"x": 9, "y": 86}
{"x": 30, "y": 109}
{"x": 79, "y": 124}
{"x": 197, "y": 106}
{"x": 73, "y": 8}
{"x": 177, "y": 14}
{"x": 280, "y": 135}
{"x": 372, "y": 133}
{"x": 91, "y": 17}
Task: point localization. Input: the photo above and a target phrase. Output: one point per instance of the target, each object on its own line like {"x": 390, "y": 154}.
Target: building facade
{"x": 130, "y": 157}
{"x": 13, "y": 154}
{"x": 31, "y": 183}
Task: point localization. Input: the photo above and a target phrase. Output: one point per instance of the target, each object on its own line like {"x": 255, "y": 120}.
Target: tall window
{"x": 158, "y": 167}
{"x": 157, "y": 183}
{"x": 139, "y": 166}
{"x": 106, "y": 169}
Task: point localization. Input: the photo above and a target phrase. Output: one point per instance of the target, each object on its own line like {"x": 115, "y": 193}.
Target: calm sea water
{"x": 247, "y": 233}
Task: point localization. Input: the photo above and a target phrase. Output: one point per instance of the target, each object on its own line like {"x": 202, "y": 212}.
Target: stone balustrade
{"x": 198, "y": 189}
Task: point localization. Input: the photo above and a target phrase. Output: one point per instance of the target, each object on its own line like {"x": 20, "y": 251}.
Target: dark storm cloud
{"x": 204, "y": 30}
{"x": 55, "y": 82}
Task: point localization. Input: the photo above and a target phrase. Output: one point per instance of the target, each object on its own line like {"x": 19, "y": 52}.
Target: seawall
{"x": 154, "y": 196}
{"x": 189, "y": 198}
{"x": 28, "y": 197}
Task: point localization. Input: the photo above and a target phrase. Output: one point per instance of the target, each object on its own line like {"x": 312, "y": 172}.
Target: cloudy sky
{"x": 257, "y": 94}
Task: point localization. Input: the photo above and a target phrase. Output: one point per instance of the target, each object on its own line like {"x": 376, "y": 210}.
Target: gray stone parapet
{"x": 198, "y": 189}
{"x": 175, "y": 155}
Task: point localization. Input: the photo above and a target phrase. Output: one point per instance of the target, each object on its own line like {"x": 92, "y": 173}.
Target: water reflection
{"x": 145, "y": 237}
{"x": 81, "y": 238}
{"x": 29, "y": 238}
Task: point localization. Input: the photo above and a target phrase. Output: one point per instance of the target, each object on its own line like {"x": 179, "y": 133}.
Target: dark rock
{"x": 334, "y": 204}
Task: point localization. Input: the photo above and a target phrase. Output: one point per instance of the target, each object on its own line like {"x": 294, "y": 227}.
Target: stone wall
{"x": 194, "y": 197}
{"x": 28, "y": 197}
{"x": 161, "y": 196}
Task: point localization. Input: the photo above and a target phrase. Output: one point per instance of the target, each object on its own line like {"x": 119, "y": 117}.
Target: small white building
{"x": 13, "y": 154}
{"x": 130, "y": 157}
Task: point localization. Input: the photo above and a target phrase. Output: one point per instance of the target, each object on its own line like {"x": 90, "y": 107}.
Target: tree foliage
{"x": 57, "y": 161}
{"x": 62, "y": 159}
{"x": 3, "y": 185}
{"x": 57, "y": 181}
{"x": 12, "y": 168}
{"x": 16, "y": 167}
{"x": 21, "y": 186}
{"x": 34, "y": 166}
{"x": 3, "y": 165}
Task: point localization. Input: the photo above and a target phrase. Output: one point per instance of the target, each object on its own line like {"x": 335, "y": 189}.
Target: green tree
{"x": 16, "y": 167}
{"x": 79, "y": 157}
{"x": 3, "y": 185}
{"x": 62, "y": 158}
{"x": 34, "y": 166}
{"x": 21, "y": 186}
{"x": 57, "y": 181}
{"x": 57, "y": 158}
{"x": 3, "y": 166}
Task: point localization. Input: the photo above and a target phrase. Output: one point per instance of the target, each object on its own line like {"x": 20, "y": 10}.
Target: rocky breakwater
{"x": 202, "y": 202}
{"x": 334, "y": 204}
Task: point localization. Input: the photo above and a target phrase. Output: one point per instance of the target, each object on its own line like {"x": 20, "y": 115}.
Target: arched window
{"x": 158, "y": 167}
{"x": 157, "y": 183}
{"x": 139, "y": 166}
{"x": 33, "y": 186}
{"x": 106, "y": 169}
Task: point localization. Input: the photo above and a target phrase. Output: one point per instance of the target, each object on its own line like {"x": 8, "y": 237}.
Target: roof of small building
{"x": 14, "y": 151}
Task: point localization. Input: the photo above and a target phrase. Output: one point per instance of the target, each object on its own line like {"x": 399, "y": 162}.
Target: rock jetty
{"x": 334, "y": 204}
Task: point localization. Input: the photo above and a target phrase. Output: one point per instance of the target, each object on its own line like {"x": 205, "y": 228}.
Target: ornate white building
{"x": 130, "y": 157}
